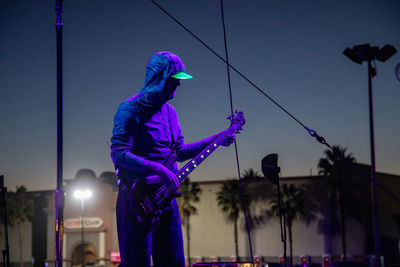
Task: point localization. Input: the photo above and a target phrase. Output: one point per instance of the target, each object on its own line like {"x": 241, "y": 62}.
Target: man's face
{"x": 170, "y": 86}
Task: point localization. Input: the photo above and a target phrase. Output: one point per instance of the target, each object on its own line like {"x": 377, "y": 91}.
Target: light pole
{"x": 359, "y": 54}
{"x": 82, "y": 195}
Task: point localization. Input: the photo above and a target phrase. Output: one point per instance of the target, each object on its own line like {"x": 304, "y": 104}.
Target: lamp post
{"x": 359, "y": 54}
{"x": 82, "y": 195}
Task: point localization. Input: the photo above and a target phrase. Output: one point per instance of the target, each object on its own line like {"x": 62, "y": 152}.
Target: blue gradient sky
{"x": 291, "y": 49}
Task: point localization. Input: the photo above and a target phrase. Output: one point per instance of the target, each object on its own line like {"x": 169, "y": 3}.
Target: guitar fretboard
{"x": 165, "y": 190}
{"x": 196, "y": 161}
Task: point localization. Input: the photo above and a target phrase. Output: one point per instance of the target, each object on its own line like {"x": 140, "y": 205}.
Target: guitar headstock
{"x": 237, "y": 121}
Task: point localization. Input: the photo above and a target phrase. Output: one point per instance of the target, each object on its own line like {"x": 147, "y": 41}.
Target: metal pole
{"x": 59, "y": 195}
{"x": 282, "y": 219}
{"x": 82, "y": 232}
{"x": 375, "y": 226}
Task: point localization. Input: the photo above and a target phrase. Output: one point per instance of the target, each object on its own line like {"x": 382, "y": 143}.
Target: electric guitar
{"x": 148, "y": 200}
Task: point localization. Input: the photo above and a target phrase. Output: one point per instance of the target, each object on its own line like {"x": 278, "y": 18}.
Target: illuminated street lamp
{"x": 82, "y": 195}
{"x": 359, "y": 54}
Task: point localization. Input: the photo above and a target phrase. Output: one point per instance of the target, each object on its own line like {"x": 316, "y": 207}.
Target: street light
{"x": 365, "y": 52}
{"x": 359, "y": 54}
{"x": 82, "y": 195}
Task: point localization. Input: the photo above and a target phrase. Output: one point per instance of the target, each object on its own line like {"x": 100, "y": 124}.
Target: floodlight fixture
{"x": 366, "y": 52}
{"x": 386, "y": 52}
{"x": 82, "y": 194}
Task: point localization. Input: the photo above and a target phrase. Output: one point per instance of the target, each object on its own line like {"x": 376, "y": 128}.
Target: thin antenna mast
{"x": 59, "y": 194}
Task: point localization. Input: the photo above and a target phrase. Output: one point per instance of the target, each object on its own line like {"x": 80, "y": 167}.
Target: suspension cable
{"x": 236, "y": 148}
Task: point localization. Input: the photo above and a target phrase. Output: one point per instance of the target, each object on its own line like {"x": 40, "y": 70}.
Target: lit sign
{"x": 89, "y": 222}
{"x": 115, "y": 257}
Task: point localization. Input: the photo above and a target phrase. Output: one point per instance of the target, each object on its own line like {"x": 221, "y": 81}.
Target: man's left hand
{"x": 229, "y": 140}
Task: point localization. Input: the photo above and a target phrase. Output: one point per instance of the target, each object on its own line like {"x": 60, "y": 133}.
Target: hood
{"x": 161, "y": 66}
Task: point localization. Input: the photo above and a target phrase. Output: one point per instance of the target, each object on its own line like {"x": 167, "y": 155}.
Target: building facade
{"x": 211, "y": 233}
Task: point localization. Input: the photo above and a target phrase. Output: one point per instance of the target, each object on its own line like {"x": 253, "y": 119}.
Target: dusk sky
{"x": 290, "y": 49}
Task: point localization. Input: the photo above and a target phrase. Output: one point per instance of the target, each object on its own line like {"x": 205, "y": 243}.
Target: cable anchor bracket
{"x": 319, "y": 138}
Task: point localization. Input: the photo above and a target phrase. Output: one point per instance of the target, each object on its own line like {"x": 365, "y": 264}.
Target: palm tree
{"x": 337, "y": 169}
{"x": 251, "y": 175}
{"x": 190, "y": 194}
{"x": 261, "y": 191}
{"x": 19, "y": 210}
{"x": 294, "y": 206}
{"x": 256, "y": 185}
{"x": 229, "y": 200}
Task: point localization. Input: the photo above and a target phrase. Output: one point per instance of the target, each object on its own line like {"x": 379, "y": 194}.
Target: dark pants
{"x": 163, "y": 240}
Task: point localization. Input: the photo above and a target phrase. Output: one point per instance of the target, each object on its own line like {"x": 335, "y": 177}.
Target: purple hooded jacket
{"x": 146, "y": 127}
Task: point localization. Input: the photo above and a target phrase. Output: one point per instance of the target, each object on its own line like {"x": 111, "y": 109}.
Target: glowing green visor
{"x": 181, "y": 76}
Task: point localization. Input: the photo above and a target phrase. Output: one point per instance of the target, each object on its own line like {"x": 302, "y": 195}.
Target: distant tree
{"x": 251, "y": 175}
{"x": 256, "y": 187}
{"x": 293, "y": 202}
{"x": 261, "y": 193}
{"x": 19, "y": 210}
{"x": 229, "y": 200}
{"x": 190, "y": 194}
{"x": 337, "y": 169}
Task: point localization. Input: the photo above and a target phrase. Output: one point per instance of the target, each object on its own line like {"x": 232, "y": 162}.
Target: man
{"x": 146, "y": 131}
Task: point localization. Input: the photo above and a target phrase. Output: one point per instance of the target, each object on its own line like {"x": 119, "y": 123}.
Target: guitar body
{"x": 146, "y": 210}
{"x": 148, "y": 198}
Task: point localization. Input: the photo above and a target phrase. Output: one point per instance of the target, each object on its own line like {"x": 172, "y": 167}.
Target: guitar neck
{"x": 196, "y": 161}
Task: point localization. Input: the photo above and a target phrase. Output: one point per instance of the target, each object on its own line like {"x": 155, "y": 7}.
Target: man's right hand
{"x": 165, "y": 175}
